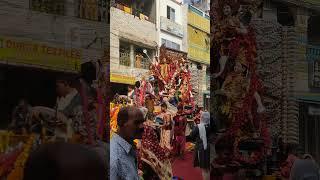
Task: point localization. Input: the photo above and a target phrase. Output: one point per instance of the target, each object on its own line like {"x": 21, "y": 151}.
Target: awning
{"x": 116, "y": 78}
{"x": 313, "y": 98}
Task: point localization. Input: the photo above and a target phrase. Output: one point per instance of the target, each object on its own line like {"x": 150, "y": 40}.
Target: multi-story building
{"x": 203, "y": 5}
{"x": 40, "y": 39}
{"x": 198, "y": 31}
{"x": 172, "y": 24}
{"x": 297, "y": 22}
{"x": 133, "y": 41}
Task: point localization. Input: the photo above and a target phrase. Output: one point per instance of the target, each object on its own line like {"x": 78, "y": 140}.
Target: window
{"x": 171, "y": 13}
{"x": 96, "y": 11}
{"x": 141, "y": 59}
{"x": 267, "y": 4}
{"x": 316, "y": 74}
{"x": 208, "y": 78}
{"x": 170, "y": 44}
{"x": 48, "y": 6}
{"x": 309, "y": 129}
{"x": 124, "y": 54}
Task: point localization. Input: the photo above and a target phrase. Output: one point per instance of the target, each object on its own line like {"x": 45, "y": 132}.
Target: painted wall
{"x": 18, "y": 21}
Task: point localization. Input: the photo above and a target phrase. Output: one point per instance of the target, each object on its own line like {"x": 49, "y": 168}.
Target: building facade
{"x": 198, "y": 31}
{"x": 301, "y": 55}
{"x": 49, "y": 38}
{"x": 133, "y": 41}
{"x": 172, "y": 24}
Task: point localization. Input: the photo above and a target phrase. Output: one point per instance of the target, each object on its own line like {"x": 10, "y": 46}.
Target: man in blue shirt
{"x": 123, "y": 160}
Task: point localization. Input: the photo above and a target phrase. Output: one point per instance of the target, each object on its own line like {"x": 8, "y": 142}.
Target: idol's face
{"x": 227, "y": 10}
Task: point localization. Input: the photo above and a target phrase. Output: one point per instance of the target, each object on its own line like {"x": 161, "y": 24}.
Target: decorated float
{"x": 159, "y": 93}
{"x": 243, "y": 142}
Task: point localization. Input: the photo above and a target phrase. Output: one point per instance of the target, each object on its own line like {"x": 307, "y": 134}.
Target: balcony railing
{"x": 135, "y": 12}
{"x": 49, "y": 6}
{"x": 144, "y": 64}
{"x": 171, "y": 26}
{"x": 96, "y": 11}
{"x": 124, "y": 58}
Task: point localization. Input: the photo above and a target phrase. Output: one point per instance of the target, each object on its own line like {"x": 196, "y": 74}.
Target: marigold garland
{"x": 17, "y": 172}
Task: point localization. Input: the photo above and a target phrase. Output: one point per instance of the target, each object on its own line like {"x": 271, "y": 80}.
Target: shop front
{"x": 28, "y": 70}
{"x": 37, "y": 109}
{"x": 309, "y": 125}
{"x": 120, "y": 83}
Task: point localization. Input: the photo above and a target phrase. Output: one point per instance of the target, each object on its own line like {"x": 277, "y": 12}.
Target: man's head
{"x": 22, "y": 102}
{"x": 62, "y": 161}
{"x": 164, "y": 107}
{"x": 130, "y": 88}
{"x": 137, "y": 84}
{"x": 130, "y": 122}
{"x": 63, "y": 87}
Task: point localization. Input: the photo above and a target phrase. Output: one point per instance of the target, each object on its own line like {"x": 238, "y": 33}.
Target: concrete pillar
{"x": 132, "y": 56}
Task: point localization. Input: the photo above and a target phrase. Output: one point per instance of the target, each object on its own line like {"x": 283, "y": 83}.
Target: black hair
{"x": 246, "y": 17}
{"x": 88, "y": 71}
{"x": 164, "y": 105}
{"x": 66, "y": 80}
{"x": 137, "y": 84}
{"x": 54, "y": 161}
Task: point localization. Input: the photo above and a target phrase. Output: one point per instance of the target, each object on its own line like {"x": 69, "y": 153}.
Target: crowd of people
{"x": 152, "y": 155}
{"x": 169, "y": 121}
{"x": 296, "y": 166}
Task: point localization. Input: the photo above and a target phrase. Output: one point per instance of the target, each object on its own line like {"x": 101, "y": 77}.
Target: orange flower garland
{"x": 17, "y": 172}
{"x": 113, "y": 119}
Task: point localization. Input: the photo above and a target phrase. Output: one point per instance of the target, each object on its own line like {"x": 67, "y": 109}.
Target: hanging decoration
{"x": 239, "y": 90}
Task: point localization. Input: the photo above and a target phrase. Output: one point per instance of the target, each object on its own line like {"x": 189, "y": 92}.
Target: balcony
{"x": 51, "y": 6}
{"x": 143, "y": 10}
{"x": 171, "y": 27}
{"x": 132, "y": 56}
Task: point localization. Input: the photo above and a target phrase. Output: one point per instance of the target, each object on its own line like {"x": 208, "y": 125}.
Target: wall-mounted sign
{"x": 314, "y": 111}
{"x": 117, "y": 78}
{"x": 171, "y": 27}
{"x": 20, "y": 52}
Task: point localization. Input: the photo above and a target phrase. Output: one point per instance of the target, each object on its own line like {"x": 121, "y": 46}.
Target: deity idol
{"x": 236, "y": 88}
{"x": 229, "y": 29}
{"x": 164, "y": 69}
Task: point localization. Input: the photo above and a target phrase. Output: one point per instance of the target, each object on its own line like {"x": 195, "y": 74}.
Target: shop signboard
{"x": 171, "y": 27}
{"x": 117, "y": 78}
{"x": 29, "y": 53}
